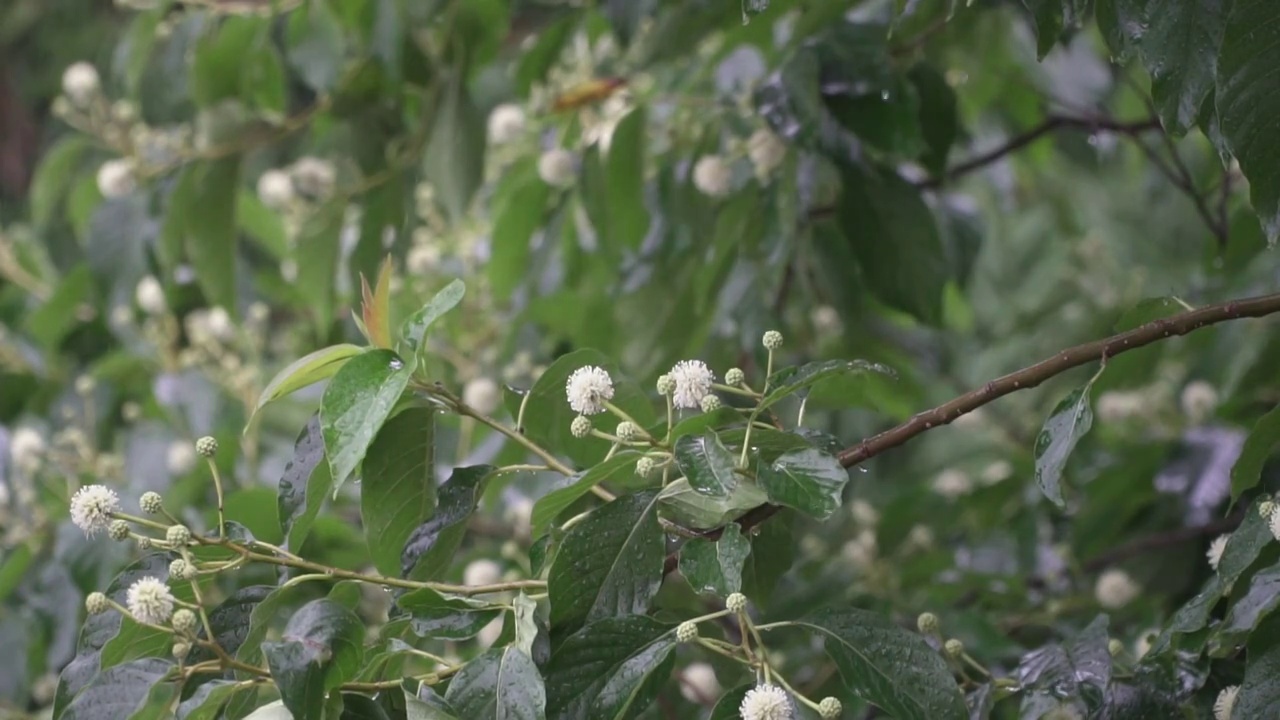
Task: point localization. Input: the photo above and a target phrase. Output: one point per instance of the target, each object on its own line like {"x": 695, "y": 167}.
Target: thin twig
{"x": 1028, "y": 377}
{"x": 1046, "y": 126}
{"x": 1160, "y": 541}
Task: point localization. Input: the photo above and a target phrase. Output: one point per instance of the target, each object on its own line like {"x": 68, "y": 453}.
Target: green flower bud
{"x": 686, "y": 632}
{"x": 96, "y": 603}
{"x": 207, "y": 446}
{"x": 580, "y": 427}
{"x": 177, "y": 535}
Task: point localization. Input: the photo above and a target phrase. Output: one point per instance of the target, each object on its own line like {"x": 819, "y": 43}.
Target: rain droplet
{"x": 396, "y": 364}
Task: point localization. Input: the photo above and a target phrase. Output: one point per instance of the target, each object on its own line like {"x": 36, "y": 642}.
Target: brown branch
{"x": 1160, "y": 541}
{"x": 1028, "y": 377}
{"x": 1032, "y": 376}
{"x": 1046, "y": 126}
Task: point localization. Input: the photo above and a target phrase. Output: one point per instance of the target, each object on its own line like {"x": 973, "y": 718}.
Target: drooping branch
{"x": 1046, "y": 126}
{"x": 1032, "y": 376}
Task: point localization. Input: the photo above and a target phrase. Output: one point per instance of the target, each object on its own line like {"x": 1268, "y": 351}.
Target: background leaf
{"x": 397, "y": 489}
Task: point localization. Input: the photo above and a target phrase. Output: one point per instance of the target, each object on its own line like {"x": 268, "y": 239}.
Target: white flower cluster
{"x": 1216, "y": 548}
{"x": 275, "y": 189}
{"x": 693, "y": 381}
{"x": 1115, "y": 588}
{"x": 116, "y": 178}
{"x": 952, "y": 483}
{"x": 588, "y": 389}
{"x": 26, "y": 448}
{"x": 506, "y": 124}
{"x": 1225, "y": 702}
{"x": 483, "y": 394}
{"x": 557, "y": 167}
{"x": 1199, "y": 400}
{"x": 81, "y": 84}
{"x": 712, "y": 176}
{"x": 92, "y": 506}
{"x": 766, "y": 702}
{"x": 150, "y": 601}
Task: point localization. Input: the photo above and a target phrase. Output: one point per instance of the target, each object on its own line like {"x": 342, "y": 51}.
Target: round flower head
{"x": 1199, "y": 400}
{"x": 772, "y": 340}
{"x": 710, "y": 403}
{"x": 118, "y": 530}
{"x": 149, "y": 601}
{"x": 1225, "y": 703}
{"x": 482, "y": 394}
{"x": 954, "y": 647}
{"x": 766, "y": 151}
{"x": 698, "y": 683}
{"x": 1216, "y": 548}
{"x": 766, "y": 702}
{"x": 686, "y": 632}
{"x": 645, "y": 466}
{"x": 95, "y": 603}
{"x": 1273, "y": 522}
{"x": 627, "y": 431}
{"x": 830, "y": 708}
{"x": 482, "y": 572}
{"x": 928, "y": 623}
{"x": 735, "y": 377}
{"x": 666, "y": 385}
{"x": 177, "y": 535}
{"x": 588, "y": 389}
{"x": 207, "y": 446}
{"x": 313, "y": 177}
{"x": 580, "y": 427}
{"x": 712, "y": 176}
{"x": 952, "y": 483}
{"x": 275, "y": 189}
{"x": 506, "y": 123}
{"x": 180, "y": 458}
{"x": 150, "y": 296}
{"x": 184, "y": 621}
{"x": 556, "y": 168}
{"x": 693, "y": 381}
{"x": 116, "y": 179}
{"x": 1266, "y": 509}
{"x": 91, "y": 508}
{"x": 736, "y": 602}
{"x": 1115, "y": 589}
{"x": 80, "y": 83}
{"x": 151, "y": 503}
{"x": 27, "y": 449}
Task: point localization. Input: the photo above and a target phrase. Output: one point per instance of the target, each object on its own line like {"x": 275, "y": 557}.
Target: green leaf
{"x": 414, "y": 330}
{"x": 789, "y": 381}
{"x": 888, "y": 666}
{"x": 207, "y": 702}
{"x": 707, "y": 464}
{"x": 610, "y": 669}
{"x": 1068, "y": 422}
{"x": 896, "y": 241}
{"x": 217, "y": 66}
{"x": 1081, "y": 665}
{"x": 446, "y": 618}
{"x": 50, "y": 324}
{"x": 454, "y": 160}
{"x": 231, "y": 621}
{"x": 426, "y": 705}
{"x": 355, "y": 404}
{"x": 303, "y": 486}
{"x": 53, "y": 176}
{"x": 430, "y": 549}
{"x": 1247, "y": 106}
{"x": 265, "y": 85}
{"x": 1244, "y": 545}
{"x": 1178, "y": 42}
{"x": 547, "y": 414}
{"x": 628, "y": 219}
{"x": 1259, "y": 692}
{"x": 729, "y": 704}
{"x": 100, "y": 630}
{"x": 548, "y": 507}
{"x": 124, "y": 692}
{"x": 773, "y": 550}
{"x": 534, "y": 63}
{"x": 315, "y": 46}
{"x": 502, "y": 683}
{"x": 939, "y": 119}
{"x": 1051, "y": 17}
{"x": 398, "y": 488}
{"x": 307, "y": 370}
{"x": 1249, "y": 609}
{"x": 210, "y": 230}
{"x": 1257, "y": 448}
{"x": 609, "y": 564}
{"x": 716, "y": 567}
{"x": 809, "y": 480}
{"x": 689, "y": 508}
{"x": 319, "y": 246}
{"x": 320, "y": 648}
{"x": 1192, "y": 617}
{"x": 266, "y": 612}
{"x": 519, "y": 207}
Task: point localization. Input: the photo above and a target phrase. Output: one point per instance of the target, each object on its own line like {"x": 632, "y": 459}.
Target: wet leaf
{"x": 612, "y": 668}
{"x": 716, "y": 566}
{"x": 430, "y": 548}
{"x": 709, "y": 467}
{"x": 1068, "y": 422}
{"x": 398, "y": 489}
{"x": 356, "y": 404}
